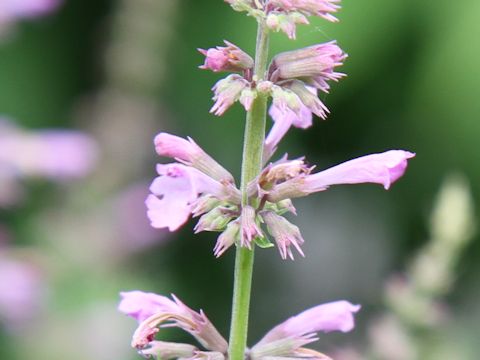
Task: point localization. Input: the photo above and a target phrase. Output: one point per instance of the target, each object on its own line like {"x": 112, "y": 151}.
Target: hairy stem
{"x": 251, "y": 167}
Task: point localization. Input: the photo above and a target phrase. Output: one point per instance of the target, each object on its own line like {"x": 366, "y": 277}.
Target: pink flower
{"x": 229, "y": 58}
{"x": 286, "y": 339}
{"x": 20, "y": 290}
{"x": 282, "y": 123}
{"x": 175, "y": 192}
{"x": 189, "y": 153}
{"x": 141, "y": 305}
{"x": 162, "y": 311}
{"x": 18, "y": 9}
{"x": 54, "y": 154}
{"x": 384, "y": 168}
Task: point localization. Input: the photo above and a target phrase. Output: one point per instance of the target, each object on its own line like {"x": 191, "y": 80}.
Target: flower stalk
{"x": 251, "y": 166}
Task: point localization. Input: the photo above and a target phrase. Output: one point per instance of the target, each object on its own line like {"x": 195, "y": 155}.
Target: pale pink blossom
{"x": 383, "y": 168}
{"x": 21, "y": 290}
{"x": 288, "y": 338}
{"x": 282, "y": 123}
{"x": 19, "y": 9}
{"x": 226, "y": 58}
{"x": 141, "y": 305}
{"x": 164, "y": 312}
{"x": 54, "y": 154}
{"x": 175, "y": 192}
{"x": 189, "y": 153}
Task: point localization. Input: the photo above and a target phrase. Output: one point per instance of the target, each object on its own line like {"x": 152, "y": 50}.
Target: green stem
{"x": 251, "y": 167}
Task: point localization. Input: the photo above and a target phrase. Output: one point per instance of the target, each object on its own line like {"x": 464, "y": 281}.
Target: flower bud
{"x": 208, "y": 355}
{"x": 204, "y": 204}
{"x": 311, "y": 62}
{"x": 162, "y": 350}
{"x": 226, "y": 92}
{"x": 249, "y": 227}
{"x": 215, "y": 220}
{"x": 227, "y": 238}
{"x": 285, "y": 100}
{"x": 308, "y": 96}
{"x": 277, "y": 21}
{"x": 284, "y": 233}
{"x": 226, "y": 58}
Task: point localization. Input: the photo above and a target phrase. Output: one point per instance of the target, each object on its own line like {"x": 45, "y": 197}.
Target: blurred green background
{"x": 125, "y": 70}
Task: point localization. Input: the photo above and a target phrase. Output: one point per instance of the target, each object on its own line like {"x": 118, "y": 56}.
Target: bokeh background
{"x": 121, "y": 71}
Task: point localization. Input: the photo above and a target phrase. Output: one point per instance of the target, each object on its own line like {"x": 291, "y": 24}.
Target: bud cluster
{"x": 293, "y": 80}
{"x": 284, "y": 15}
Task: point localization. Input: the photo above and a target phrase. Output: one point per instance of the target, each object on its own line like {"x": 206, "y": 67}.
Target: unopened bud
{"x": 226, "y": 92}
{"x": 204, "y": 204}
{"x": 310, "y": 62}
{"x": 250, "y": 228}
{"x": 286, "y": 22}
{"x": 226, "y": 58}
{"x": 162, "y": 350}
{"x": 309, "y": 98}
{"x": 284, "y": 233}
{"x": 215, "y": 220}
{"x": 227, "y": 238}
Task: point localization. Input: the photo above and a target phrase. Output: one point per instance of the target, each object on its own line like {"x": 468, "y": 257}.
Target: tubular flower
{"x": 199, "y": 185}
{"x": 384, "y": 168}
{"x": 226, "y": 58}
{"x": 167, "y": 313}
{"x": 285, "y": 179}
{"x": 287, "y": 339}
{"x": 190, "y": 154}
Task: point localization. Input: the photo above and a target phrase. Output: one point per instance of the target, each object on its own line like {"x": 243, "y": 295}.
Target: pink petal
{"x": 141, "y": 305}
{"x": 173, "y": 192}
{"x": 384, "y": 168}
{"x": 334, "y": 316}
